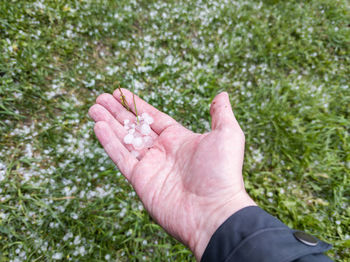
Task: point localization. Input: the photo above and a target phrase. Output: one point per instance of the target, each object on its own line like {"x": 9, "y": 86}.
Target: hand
{"x": 190, "y": 183}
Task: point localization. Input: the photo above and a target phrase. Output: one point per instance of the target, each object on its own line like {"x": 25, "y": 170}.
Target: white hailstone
{"x": 57, "y": 256}
{"x": 67, "y": 236}
{"x": 145, "y": 115}
{"x": 138, "y": 143}
{"x": 128, "y": 139}
{"x": 149, "y": 121}
{"x": 126, "y": 124}
{"x": 135, "y": 153}
{"x": 138, "y": 133}
{"x": 139, "y": 118}
{"x": 148, "y": 140}
{"x": 145, "y": 129}
{"x": 147, "y": 118}
{"x": 82, "y": 250}
{"x": 77, "y": 240}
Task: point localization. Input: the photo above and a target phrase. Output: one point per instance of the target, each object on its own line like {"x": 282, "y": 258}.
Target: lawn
{"x": 285, "y": 64}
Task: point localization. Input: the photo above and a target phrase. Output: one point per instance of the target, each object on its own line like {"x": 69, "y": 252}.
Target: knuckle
{"x": 233, "y": 132}
{"x": 227, "y": 130}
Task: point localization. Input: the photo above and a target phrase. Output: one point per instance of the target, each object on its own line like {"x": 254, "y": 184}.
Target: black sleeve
{"x": 252, "y": 234}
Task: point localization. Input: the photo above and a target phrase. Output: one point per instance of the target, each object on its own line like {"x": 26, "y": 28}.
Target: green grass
{"x": 286, "y": 65}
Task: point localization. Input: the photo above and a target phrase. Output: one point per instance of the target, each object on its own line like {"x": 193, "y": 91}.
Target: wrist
{"x": 214, "y": 218}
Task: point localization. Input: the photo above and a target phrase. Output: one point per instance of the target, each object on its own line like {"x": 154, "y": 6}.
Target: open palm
{"x": 190, "y": 183}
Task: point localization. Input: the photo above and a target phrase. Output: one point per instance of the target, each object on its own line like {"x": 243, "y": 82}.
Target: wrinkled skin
{"x": 189, "y": 183}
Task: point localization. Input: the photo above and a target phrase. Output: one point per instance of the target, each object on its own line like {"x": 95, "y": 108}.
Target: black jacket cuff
{"x": 252, "y": 234}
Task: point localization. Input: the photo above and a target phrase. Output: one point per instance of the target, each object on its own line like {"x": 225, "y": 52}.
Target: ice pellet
{"x": 128, "y": 139}
{"x": 148, "y": 140}
{"x": 138, "y": 143}
{"x": 138, "y": 133}
{"x": 145, "y": 129}
{"x": 147, "y": 118}
{"x": 135, "y": 153}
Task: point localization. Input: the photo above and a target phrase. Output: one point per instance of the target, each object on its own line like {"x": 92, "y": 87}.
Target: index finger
{"x": 115, "y": 149}
{"x": 161, "y": 120}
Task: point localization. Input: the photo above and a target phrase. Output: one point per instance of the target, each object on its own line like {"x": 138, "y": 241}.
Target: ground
{"x": 285, "y": 64}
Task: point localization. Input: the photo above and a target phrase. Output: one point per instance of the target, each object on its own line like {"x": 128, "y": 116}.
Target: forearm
{"x": 217, "y": 217}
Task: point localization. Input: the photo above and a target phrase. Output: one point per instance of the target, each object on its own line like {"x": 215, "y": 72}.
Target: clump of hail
{"x": 139, "y": 133}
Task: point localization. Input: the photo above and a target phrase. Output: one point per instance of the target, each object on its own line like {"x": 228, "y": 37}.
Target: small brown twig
{"x": 63, "y": 198}
{"x": 123, "y": 99}
{"x": 125, "y": 103}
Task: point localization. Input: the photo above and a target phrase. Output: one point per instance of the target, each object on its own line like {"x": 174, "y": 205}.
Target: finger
{"x": 161, "y": 120}
{"x": 221, "y": 112}
{"x": 115, "y": 108}
{"x": 125, "y": 161}
{"x": 118, "y": 110}
{"x": 99, "y": 113}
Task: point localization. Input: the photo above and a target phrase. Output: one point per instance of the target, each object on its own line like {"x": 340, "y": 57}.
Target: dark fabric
{"x": 314, "y": 258}
{"x": 252, "y": 234}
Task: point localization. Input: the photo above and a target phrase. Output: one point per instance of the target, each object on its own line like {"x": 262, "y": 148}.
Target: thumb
{"x": 221, "y": 113}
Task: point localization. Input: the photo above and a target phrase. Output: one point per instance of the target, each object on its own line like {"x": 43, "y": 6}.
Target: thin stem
{"x": 123, "y": 99}
{"x": 137, "y": 115}
{"x": 125, "y": 103}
